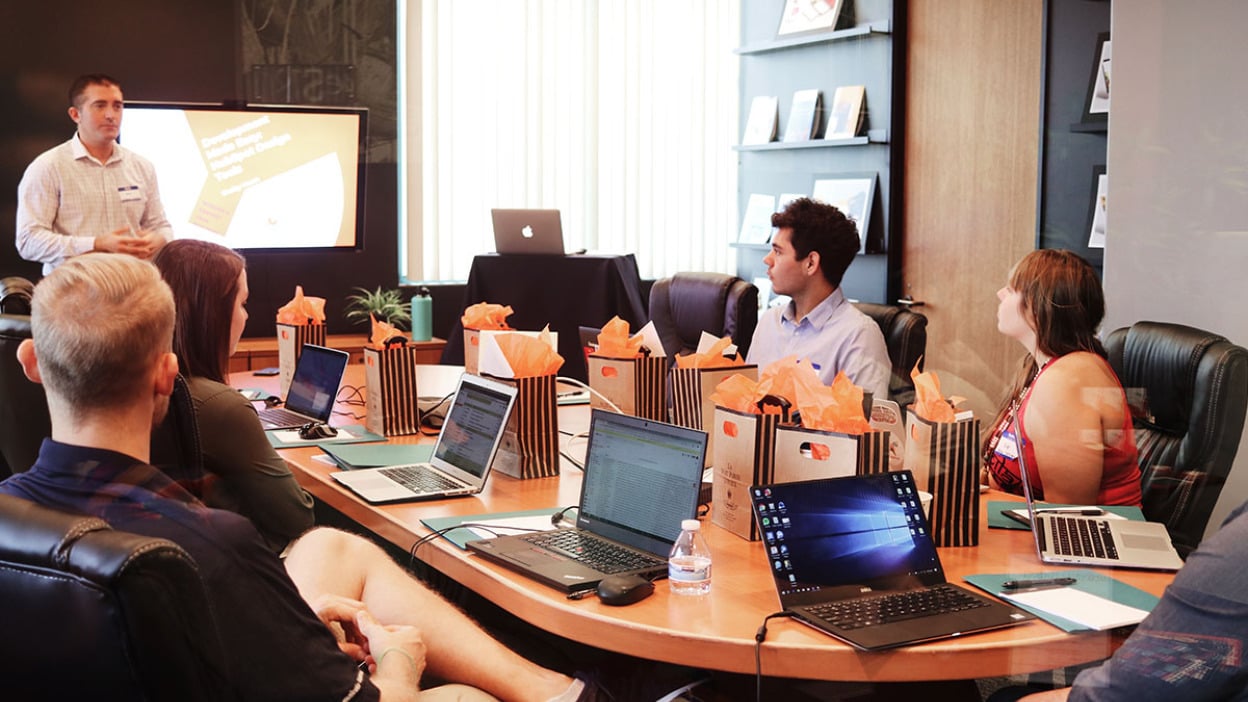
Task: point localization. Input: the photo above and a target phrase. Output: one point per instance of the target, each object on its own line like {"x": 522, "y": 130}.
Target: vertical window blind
{"x": 619, "y": 114}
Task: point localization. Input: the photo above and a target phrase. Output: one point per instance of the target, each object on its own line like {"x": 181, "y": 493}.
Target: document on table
{"x": 489, "y": 528}
{"x": 1078, "y": 606}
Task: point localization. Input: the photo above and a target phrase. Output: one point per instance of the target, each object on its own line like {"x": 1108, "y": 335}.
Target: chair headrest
{"x": 1164, "y": 359}
{"x": 38, "y": 535}
{"x": 15, "y": 295}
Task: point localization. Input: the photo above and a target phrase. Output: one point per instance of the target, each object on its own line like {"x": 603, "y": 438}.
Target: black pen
{"x": 1026, "y": 584}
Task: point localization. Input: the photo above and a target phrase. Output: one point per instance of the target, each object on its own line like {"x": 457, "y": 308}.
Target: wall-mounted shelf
{"x": 810, "y": 144}
{"x": 861, "y": 30}
{"x": 870, "y": 54}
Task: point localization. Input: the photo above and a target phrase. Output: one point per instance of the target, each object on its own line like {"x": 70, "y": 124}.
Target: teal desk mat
{"x": 996, "y": 520}
{"x": 1089, "y": 581}
{"x": 461, "y": 537}
{"x": 349, "y": 434}
{"x": 352, "y": 456}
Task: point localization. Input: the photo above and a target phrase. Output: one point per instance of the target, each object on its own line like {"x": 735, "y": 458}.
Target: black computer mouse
{"x": 617, "y": 590}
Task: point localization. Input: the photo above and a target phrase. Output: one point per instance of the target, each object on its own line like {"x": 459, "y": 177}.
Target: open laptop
{"x": 641, "y": 480}
{"x": 313, "y": 389}
{"x": 528, "y": 232}
{"x": 461, "y": 457}
{"x": 854, "y": 557}
{"x": 1095, "y": 541}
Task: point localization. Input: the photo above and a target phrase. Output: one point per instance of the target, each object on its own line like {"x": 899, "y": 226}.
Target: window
{"x": 619, "y": 114}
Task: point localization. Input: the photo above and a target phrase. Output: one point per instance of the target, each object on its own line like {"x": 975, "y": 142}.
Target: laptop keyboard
{"x": 1089, "y": 538}
{"x": 587, "y": 549}
{"x": 895, "y": 607}
{"x": 282, "y": 417}
{"x": 419, "y": 480}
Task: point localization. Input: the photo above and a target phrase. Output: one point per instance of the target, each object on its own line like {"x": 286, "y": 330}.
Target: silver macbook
{"x": 461, "y": 457}
{"x": 528, "y": 232}
{"x": 1095, "y": 541}
{"x": 313, "y": 389}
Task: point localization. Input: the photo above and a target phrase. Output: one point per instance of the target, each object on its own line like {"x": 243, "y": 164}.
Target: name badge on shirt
{"x": 130, "y": 193}
{"x": 1007, "y": 445}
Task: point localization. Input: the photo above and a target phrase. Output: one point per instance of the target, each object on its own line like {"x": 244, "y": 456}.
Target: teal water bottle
{"x": 422, "y": 315}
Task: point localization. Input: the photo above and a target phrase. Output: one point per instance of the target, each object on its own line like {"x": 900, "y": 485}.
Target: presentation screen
{"x": 259, "y": 177}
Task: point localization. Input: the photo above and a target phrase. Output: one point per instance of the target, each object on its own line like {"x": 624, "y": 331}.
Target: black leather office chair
{"x": 905, "y": 335}
{"x": 24, "y": 418}
{"x": 687, "y": 304}
{"x": 93, "y": 613}
{"x": 176, "y": 446}
{"x": 15, "y": 293}
{"x": 1196, "y": 385}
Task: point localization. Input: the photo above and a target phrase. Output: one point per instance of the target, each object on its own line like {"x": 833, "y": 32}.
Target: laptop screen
{"x": 642, "y": 478}
{"x": 473, "y": 426}
{"x": 857, "y": 532}
{"x": 315, "y": 382}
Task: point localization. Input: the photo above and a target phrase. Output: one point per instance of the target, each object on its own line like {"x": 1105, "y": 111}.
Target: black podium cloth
{"x": 566, "y": 292}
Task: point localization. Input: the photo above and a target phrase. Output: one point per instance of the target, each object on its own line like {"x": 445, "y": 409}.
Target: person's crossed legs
{"x": 326, "y": 563}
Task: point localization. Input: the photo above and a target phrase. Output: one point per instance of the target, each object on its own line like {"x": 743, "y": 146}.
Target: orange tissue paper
{"x": 486, "y": 315}
{"x": 929, "y": 402}
{"x": 302, "y": 310}
{"x": 528, "y": 356}
{"x": 614, "y": 341}
{"x": 712, "y": 358}
{"x": 783, "y": 377}
{"x": 382, "y": 332}
{"x": 737, "y": 392}
{"x": 837, "y": 407}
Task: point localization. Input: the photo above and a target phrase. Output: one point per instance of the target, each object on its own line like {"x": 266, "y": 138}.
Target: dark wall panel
{"x": 192, "y": 50}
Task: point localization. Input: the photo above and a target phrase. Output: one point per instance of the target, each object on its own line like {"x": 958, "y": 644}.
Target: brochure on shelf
{"x": 804, "y": 116}
{"x": 845, "y": 120}
{"x": 756, "y": 224}
{"x": 762, "y": 124}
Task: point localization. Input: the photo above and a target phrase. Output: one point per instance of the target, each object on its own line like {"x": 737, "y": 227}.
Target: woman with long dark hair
{"x": 1076, "y": 434}
{"x": 244, "y": 473}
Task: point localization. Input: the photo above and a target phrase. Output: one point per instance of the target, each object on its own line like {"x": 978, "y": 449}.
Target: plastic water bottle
{"x": 422, "y": 315}
{"x": 689, "y": 566}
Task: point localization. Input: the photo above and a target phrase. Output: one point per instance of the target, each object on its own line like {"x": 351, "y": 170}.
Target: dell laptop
{"x": 528, "y": 232}
{"x": 642, "y": 479}
{"x": 313, "y": 389}
{"x": 461, "y": 457}
{"x": 854, "y": 557}
{"x": 1095, "y": 541}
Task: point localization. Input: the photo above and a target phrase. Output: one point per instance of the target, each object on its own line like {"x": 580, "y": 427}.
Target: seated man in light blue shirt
{"x": 809, "y": 255}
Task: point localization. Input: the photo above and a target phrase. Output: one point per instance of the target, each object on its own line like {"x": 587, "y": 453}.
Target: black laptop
{"x": 313, "y": 389}
{"x": 641, "y": 480}
{"x": 854, "y": 557}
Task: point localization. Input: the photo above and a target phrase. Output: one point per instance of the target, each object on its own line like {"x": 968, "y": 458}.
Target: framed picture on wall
{"x": 801, "y": 16}
{"x": 1099, "y": 208}
{"x": 1097, "y": 104}
{"x": 852, "y": 194}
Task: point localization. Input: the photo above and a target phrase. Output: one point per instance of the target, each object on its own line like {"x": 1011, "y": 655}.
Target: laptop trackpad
{"x": 1143, "y": 542}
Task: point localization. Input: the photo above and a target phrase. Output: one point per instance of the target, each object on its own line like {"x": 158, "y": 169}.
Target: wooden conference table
{"x": 716, "y": 631}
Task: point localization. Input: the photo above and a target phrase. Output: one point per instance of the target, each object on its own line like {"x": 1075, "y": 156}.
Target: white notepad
{"x": 1079, "y": 607}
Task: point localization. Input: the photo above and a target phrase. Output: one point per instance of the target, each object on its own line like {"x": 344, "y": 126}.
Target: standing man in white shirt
{"x": 90, "y": 194}
{"x": 810, "y": 252}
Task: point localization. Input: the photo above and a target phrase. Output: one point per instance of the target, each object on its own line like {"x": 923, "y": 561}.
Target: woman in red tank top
{"x": 1075, "y": 423}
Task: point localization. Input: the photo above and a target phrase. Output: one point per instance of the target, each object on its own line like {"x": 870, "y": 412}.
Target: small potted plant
{"x": 386, "y": 305}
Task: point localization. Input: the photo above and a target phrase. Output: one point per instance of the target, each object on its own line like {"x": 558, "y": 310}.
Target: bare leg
{"x": 327, "y": 561}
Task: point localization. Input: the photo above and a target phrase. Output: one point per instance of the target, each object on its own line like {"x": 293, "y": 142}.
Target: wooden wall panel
{"x": 971, "y": 143}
